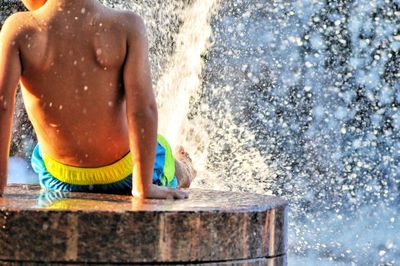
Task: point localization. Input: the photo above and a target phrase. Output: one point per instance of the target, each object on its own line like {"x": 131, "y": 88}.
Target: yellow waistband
{"x": 89, "y": 176}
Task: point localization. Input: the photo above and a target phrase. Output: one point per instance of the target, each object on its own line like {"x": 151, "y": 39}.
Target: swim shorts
{"x": 114, "y": 178}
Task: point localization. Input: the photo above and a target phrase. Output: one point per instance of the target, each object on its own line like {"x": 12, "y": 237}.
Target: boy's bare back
{"x": 86, "y": 82}
{"x": 73, "y": 83}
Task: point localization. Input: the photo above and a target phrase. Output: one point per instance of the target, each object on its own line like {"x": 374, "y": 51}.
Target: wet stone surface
{"x": 210, "y": 227}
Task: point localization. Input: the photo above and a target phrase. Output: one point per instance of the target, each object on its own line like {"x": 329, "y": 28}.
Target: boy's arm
{"x": 141, "y": 110}
{"x": 10, "y": 71}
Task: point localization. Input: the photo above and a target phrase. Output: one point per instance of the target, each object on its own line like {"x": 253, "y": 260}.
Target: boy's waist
{"x": 89, "y": 176}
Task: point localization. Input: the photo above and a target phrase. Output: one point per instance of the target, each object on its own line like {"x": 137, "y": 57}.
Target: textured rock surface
{"x": 96, "y": 228}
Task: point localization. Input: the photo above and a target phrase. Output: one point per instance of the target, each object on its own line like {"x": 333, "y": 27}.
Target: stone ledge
{"x": 227, "y": 227}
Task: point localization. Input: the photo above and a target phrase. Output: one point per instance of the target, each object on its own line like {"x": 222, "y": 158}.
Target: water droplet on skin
{"x": 101, "y": 24}
{"x": 67, "y": 27}
{"x": 13, "y": 43}
{"x": 85, "y": 88}
{"x": 50, "y": 104}
{"x": 105, "y": 68}
{"x": 82, "y": 59}
{"x": 75, "y": 62}
{"x": 110, "y": 103}
{"x": 76, "y": 18}
{"x": 60, "y": 107}
{"x": 99, "y": 51}
{"x": 83, "y": 10}
{"x": 86, "y": 155}
{"x": 29, "y": 45}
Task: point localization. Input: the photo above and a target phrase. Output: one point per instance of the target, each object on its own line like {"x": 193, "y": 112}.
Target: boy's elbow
{"x": 147, "y": 112}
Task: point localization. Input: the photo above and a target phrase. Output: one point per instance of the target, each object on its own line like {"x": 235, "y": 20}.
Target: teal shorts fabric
{"x": 124, "y": 186}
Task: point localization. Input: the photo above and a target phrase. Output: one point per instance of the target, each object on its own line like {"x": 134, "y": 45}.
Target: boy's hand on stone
{"x": 158, "y": 192}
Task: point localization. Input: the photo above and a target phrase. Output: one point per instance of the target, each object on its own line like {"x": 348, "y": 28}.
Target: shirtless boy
{"x": 86, "y": 84}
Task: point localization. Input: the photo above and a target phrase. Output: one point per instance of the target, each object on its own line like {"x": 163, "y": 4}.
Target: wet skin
{"x": 86, "y": 83}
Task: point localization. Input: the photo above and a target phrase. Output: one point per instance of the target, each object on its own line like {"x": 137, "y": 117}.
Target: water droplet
{"x": 85, "y": 88}
{"x": 76, "y": 18}
{"x": 60, "y": 107}
{"x": 101, "y": 24}
{"x": 50, "y": 104}
{"x": 75, "y": 62}
{"x": 83, "y": 10}
{"x": 45, "y": 226}
{"x": 99, "y": 51}
{"x": 110, "y": 103}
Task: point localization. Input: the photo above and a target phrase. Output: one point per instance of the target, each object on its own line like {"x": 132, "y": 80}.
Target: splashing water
{"x": 293, "y": 98}
{"x": 183, "y": 77}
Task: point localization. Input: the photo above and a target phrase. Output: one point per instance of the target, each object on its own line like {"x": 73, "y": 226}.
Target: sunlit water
{"x": 292, "y": 98}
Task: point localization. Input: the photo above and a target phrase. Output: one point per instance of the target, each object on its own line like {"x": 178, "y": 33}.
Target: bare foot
{"x": 185, "y": 171}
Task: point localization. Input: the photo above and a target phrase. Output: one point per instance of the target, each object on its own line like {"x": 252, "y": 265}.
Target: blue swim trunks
{"x": 115, "y": 178}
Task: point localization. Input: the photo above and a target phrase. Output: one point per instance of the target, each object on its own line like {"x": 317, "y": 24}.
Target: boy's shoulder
{"x": 18, "y": 20}
{"x": 16, "y": 25}
{"x": 129, "y": 20}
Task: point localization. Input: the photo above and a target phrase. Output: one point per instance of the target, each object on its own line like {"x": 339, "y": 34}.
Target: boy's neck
{"x": 68, "y": 3}
{"x": 67, "y": 6}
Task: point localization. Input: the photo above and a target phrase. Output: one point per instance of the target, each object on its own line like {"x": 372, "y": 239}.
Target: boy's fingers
{"x": 158, "y": 192}
{"x": 179, "y": 194}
